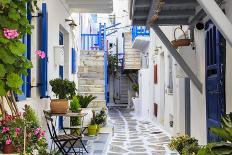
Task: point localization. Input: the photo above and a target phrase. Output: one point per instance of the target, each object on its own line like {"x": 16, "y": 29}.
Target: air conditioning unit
{"x": 59, "y": 55}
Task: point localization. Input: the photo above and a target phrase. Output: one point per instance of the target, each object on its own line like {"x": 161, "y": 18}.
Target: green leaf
{"x": 2, "y": 71}
{"x": 17, "y": 48}
{"x": 222, "y": 133}
{"x": 13, "y": 14}
{"x": 4, "y": 2}
{"x": 14, "y": 80}
{"x": 2, "y": 88}
{"x": 6, "y": 57}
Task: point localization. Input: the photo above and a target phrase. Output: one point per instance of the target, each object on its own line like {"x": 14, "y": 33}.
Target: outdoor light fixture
{"x": 200, "y": 26}
{"x": 72, "y": 24}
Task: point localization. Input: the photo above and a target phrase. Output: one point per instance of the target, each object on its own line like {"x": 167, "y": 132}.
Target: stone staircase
{"x": 91, "y": 77}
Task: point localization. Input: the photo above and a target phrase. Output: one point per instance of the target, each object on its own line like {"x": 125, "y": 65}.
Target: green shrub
{"x": 75, "y": 105}
{"x": 185, "y": 145}
{"x": 85, "y": 100}
{"x": 63, "y": 89}
{"x": 101, "y": 117}
{"x": 135, "y": 87}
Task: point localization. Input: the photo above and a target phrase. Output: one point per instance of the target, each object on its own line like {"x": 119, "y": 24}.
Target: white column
{"x": 218, "y": 17}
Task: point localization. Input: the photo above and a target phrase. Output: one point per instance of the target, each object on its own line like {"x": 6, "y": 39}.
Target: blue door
{"x": 215, "y": 78}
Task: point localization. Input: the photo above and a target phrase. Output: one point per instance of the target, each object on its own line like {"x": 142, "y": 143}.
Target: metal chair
{"x": 66, "y": 142}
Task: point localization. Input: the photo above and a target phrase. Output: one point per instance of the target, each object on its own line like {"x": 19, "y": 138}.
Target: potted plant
{"x": 92, "y": 127}
{"x": 75, "y": 107}
{"x": 64, "y": 90}
{"x": 101, "y": 119}
{"x": 85, "y": 100}
{"x": 22, "y": 134}
{"x": 135, "y": 87}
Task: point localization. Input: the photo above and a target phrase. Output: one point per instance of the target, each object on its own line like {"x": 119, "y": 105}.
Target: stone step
{"x": 91, "y": 75}
{"x": 97, "y": 103}
{"x": 92, "y": 58}
{"x": 94, "y": 88}
{"x": 99, "y": 95}
{"x": 91, "y": 53}
{"x": 91, "y": 63}
{"x": 90, "y": 81}
{"x": 86, "y": 69}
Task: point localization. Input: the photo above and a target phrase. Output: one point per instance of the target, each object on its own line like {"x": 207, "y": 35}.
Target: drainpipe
{"x": 218, "y": 17}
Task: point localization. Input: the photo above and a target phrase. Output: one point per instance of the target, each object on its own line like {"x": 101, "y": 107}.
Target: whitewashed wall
{"x": 57, "y": 13}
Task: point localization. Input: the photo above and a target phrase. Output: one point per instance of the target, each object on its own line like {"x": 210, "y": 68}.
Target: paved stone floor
{"x": 134, "y": 137}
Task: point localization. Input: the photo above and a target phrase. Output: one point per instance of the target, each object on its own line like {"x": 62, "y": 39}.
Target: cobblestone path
{"x": 134, "y": 137}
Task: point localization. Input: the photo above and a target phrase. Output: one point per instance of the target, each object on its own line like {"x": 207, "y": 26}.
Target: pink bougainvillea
{"x": 40, "y": 53}
{"x": 10, "y": 33}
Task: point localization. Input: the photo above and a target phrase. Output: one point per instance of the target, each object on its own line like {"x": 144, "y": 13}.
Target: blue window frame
{"x": 61, "y": 75}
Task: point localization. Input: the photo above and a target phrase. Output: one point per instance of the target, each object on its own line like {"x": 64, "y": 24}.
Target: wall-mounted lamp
{"x": 72, "y": 24}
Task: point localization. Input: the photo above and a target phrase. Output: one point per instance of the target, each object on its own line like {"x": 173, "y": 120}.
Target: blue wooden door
{"x": 215, "y": 83}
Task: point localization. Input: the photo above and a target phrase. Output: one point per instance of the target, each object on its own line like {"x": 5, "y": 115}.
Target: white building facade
{"x": 169, "y": 97}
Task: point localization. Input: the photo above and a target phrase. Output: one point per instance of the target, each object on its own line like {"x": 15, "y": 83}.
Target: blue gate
{"x": 215, "y": 83}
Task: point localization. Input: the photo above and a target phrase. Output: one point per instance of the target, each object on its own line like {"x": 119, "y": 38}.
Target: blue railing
{"x": 90, "y": 41}
{"x": 140, "y": 31}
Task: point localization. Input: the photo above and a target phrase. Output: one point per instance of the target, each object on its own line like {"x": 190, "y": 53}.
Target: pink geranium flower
{"x": 10, "y": 33}
{"x": 41, "y": 134}
{"x": 5, "y": 129}
{"x": 17, "y": 131}
{"x": 36, "y": 132}
{"x": 40, "y": 53}
{"x": 8, "y": 141}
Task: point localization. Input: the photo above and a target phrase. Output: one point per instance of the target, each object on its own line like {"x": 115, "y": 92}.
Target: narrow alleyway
{"x": 134, "y": 137}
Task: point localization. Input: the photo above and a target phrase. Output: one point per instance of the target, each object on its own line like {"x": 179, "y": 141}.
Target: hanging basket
{"x": 180, "y": 42}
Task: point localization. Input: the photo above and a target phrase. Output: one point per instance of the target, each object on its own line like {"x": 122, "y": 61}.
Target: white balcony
{"x": 91, "y": 6}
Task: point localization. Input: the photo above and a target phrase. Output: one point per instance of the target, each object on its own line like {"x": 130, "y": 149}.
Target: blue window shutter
{"x": 74, "y": 66}
{"x": 44, "y": 62}
{"x": 28, "y": 86}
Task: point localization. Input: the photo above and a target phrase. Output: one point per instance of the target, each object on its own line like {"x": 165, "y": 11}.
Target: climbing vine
{"x": 13, "y": 64}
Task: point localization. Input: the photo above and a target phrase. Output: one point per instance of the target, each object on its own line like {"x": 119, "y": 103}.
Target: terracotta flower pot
{"x": 59, "y": 106}
{"x": 8, "y": 149}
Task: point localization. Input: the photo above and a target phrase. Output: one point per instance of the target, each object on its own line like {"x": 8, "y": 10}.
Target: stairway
{"x": 91, "y": 77}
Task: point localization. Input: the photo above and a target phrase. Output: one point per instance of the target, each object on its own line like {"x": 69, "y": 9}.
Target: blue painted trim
{"x": 139, "y": 31}
{"x": 74, "y": 66}
{"x": 105, "y": 64}
{"x": 44, "y": 79}
{"x": 83, "y": 35}
{"x": 28, "y": 92}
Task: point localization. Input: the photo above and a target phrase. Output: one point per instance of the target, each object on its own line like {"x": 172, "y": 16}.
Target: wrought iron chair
{"x": 66, "y": 143}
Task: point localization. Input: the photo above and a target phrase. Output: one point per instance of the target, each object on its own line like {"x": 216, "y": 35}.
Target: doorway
{"x": 215, "y": 78}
